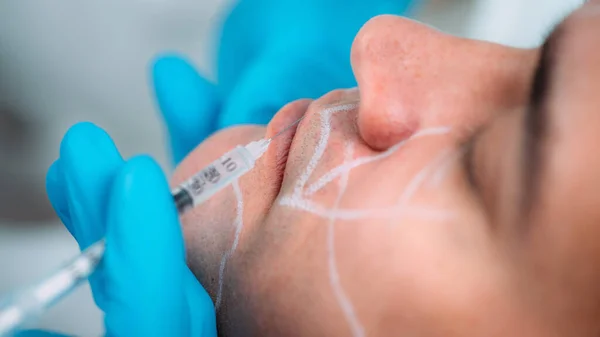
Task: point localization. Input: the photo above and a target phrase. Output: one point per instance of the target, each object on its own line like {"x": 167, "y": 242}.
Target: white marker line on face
{"x": 440, "y": 175}
{"x": 334, "y": 277}
{"x": 414, "y": 211}
{"x": 336, "y": 172}
{"x": 321, "y": 145}
{"x": 346, "y": 167}
{"x": 239, "y": 224}
{"x": 413, "y": 185}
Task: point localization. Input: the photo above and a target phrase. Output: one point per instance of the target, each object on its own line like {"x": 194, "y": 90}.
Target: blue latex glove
{"x": 270, "y": 53}
{"x": 143, "y": 284}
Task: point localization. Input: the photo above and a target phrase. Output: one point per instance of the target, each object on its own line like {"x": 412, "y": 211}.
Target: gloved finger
{"x": 55, "y": 188}
{"x": 89, "y": 161}
{"x": 201, "y": 308}
{"x": 241, "y": 39}
{"x": 144, "y": 259}
{"x": 277, "y": 79}
{"x": 188, "y": 103}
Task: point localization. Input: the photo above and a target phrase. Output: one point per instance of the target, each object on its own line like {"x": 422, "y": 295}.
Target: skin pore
{"x": 453, "y": 193}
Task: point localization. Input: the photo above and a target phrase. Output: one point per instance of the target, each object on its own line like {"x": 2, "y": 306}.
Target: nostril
{"x": 382, "y": 126}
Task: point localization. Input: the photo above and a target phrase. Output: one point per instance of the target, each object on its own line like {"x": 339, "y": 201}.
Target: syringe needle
{"x": 286, "y": 128}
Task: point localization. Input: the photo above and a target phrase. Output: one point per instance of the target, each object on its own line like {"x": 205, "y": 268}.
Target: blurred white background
{"x": 67, "y": 61}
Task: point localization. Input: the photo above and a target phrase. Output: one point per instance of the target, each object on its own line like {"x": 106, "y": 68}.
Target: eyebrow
{"x": 536, "y": 121}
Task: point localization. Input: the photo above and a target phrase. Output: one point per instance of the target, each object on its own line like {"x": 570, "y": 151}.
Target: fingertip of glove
{"x": 84, "y": 139}
{"x": 172, "y": 72}
{"x": 163, "y": 64}
{"x": 142, "y": 172}
{"x": 89, "y": 161}
{"x": 187, "y": 100}
{"x": 82, "y": 129}
{"x": 52, "y": 176}
{"x": 142, "y": 181}
{"x": 56, "y": 194}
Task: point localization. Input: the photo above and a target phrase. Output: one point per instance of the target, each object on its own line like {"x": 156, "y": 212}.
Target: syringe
{"x": 218, "y": 175}
{"x": 26, "y": 305}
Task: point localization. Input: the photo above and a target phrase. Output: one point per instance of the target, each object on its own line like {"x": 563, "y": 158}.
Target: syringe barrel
{"x": 213, "y": 178}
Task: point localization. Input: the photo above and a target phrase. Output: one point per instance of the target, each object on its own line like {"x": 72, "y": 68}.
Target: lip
{"x": 298, "y": 114}
{"x": 283, "y": 129}
{"x": 288, "y": 128}
{"x": 300, "y": 119}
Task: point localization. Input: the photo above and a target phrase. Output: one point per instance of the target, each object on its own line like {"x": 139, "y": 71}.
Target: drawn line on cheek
{"x": 337, "y": 171}
{"x": 321, "y": 145}
{"x": 314, "y": 160}
{"x": 239, "y": 225}
{"x": 417, "y": 180}
{"x": 414, "y": 211}
{"x": 440, "y": 175}
{"x": 334, "y": 277}
{"x": 346, "y": 167}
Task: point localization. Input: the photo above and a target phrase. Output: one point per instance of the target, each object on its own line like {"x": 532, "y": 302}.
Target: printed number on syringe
{"x": 213, "y": 174}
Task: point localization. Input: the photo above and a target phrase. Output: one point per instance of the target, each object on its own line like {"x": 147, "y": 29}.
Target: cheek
{"x": 405, "y": 231}
{"x": 207, "y": 231}
{"x": 432, "y": 255}
{"x": 216, "y": 232}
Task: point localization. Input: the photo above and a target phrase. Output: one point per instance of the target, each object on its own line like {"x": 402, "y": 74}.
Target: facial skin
{"x": 444, "y": 197}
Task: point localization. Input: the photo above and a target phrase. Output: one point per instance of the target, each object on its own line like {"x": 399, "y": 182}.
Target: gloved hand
{"x": 143, "y": 284}
{"x": 270, "y": 53}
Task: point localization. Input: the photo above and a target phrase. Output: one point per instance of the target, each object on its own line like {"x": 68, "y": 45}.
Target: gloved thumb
{"x": 188, "y": 103}
{"x": 279, "y": 77}
{"x": 144, "y": 261}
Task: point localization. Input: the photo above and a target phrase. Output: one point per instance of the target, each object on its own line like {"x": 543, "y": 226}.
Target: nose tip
{"x": 411, "y": 76}
{"x": 388, "y": 59}
{"x": 383, "y": 121}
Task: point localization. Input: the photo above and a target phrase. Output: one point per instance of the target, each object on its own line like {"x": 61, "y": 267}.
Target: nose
{"x": 412, "y": 76}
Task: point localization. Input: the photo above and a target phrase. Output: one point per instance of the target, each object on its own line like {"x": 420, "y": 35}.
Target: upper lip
{"x": 282, "y": 153}
{"x": 294, "y": 124}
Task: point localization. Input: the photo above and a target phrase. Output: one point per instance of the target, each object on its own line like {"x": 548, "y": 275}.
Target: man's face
{"x": 454, "y": 193}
